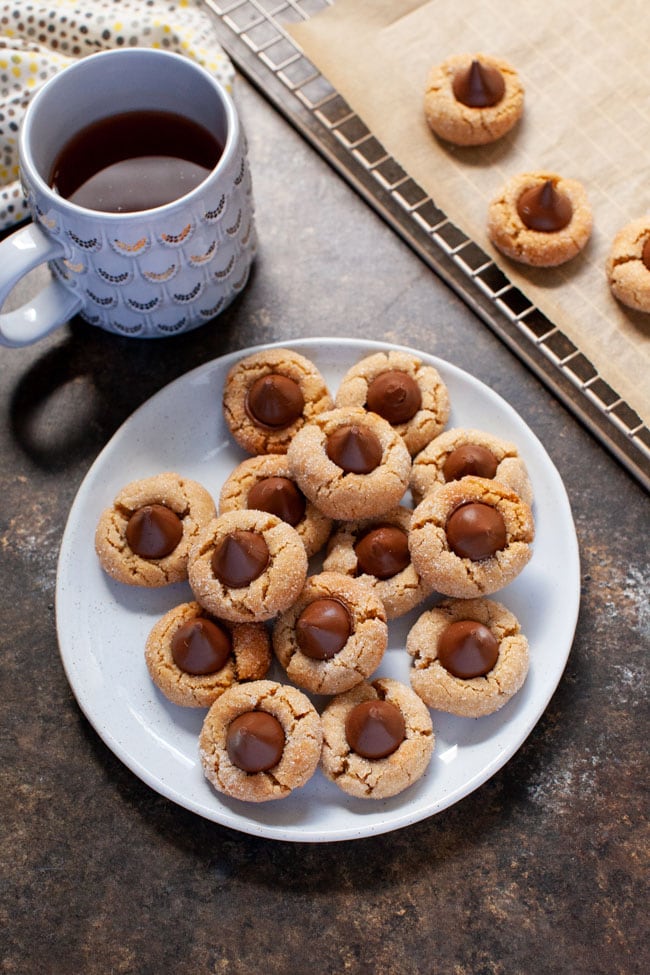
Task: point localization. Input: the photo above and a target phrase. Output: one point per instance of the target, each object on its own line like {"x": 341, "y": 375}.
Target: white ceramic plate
{"x": 103, "y": 625}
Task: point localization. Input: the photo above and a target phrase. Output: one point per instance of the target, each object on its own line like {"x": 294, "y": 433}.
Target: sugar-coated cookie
{"x": 350, "y": 463}
{"x": 628, "y": 265}
{"x": 403, "y": 390}
{"x": 265, "y": 483}
{"x": 192, "y": 657}
{"x": 260, "y": 741}
{"x": 540, "y": 218}
{"x": 377, "y": 739}
{"x": 473, "y": 99}
{"x": 469, "y": 656}
{"x": 334, "y": 636}
{"x": 471, "y": 537}
{"x": 144, "y": 537}
{"x": 269, "y": 395}
{"x": 247, "y": 566}
{"x": 462, "y": 451}
{"x": 376, "y": 552}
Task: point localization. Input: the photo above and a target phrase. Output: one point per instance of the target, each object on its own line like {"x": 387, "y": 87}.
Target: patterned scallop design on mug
{"x": 131, "y": 248}
{"x": 124, "y": 277}
{"x": 177, "y": 239}
{"x": 90, "y": 245}
{"x": 239, "y": 178}
{"x": 223, "y": 273}
{"x": 212, "y": 312}
{"x": 187, "y": 297}
{"x": 239, "y": 284}
{"x": 74, "y": 267}
{"x": 127, "y": 329}
{"x": 104, "y": 301}
{"x": 196, "y": 260}
{"x": 233, "y": 228}
{"x": 143, "y": 305}
{"x": 215, "y": 213}
{"x": 157, "y": 277}
{"x": 169, "y": 328}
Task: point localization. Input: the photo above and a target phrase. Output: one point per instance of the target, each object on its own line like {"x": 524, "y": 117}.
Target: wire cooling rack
{"x": 254, "y": 33}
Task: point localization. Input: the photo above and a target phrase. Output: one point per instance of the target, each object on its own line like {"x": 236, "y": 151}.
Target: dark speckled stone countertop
{"x": 542, "y": 870}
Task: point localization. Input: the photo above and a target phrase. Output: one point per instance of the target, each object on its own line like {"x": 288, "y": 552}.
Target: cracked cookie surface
{"x": 400, "y": 592}
{"x": 460, "y": 576}
{"x": 465, "y": 125}
{"x": 430, "y": 414}
{"x": 272, "y": 591}
{"x": 360, "y": 654}
{"x": 249, "y": 657}
{"x": 474, "y": 696}
{"x": 302, "y": 375}
{"x": 302, "y": 729}
{"x": 187, "y": 499}
{"x": 453, "y": 451}
{"x": 377, "y": 778}
{"x": 313, "y": 526}
{"x": 538, "y": 248}
{"x": 628, "y": 265}
{"x": 346, "y": 495}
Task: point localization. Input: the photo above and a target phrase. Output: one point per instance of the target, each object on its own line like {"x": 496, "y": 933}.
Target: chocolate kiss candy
{"x": 278, "y": 496}
{"x": 323, "y": 628}
{"x": 241, "y": 558}
{"x": 544, "y": 209}
{"x": 354, "y": 449}
{"x": 375, "y": 729}
{"x": 476, "y": 531}
{"x": 255, "y": 741}
{"x": 153, "y": 531}
{"x": 469, "y": 459}
{"x": 200, "y": 647}
{"x": 274, "y": 401}
{"x": 467, "y": 649}
{"x": 383, "y": 551}
{"x": 394, "y": 395}
{"x": 645, "y": 253}
{"x": 479, "y": 86}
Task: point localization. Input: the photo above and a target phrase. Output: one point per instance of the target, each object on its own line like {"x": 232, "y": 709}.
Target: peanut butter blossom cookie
{"x": 247, "y": 566}
{"x": 144, "y": 537}
{"x": 333, "y": 637}
{"x": 376, "y": 552}
{"x": 461, "y": 452}
{"x": 269, "y": 395}
{"x": 260, "y": 741}
{"x": 193, "y": 657}
{"x": 473, "y": 99}
{"x": 540, "y": 219}
{"x": 628, "y": 265}
{"x": 350, "y": 463}
{"x": 410, "y": 395}
{"x": 377, "y": 739}
{"x": 471, "y": 537}
{"x": 469, "y": 656}
{"x": 265, "y": 483}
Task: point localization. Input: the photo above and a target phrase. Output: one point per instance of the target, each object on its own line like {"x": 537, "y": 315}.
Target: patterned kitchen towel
{"x": 38, "y": 39}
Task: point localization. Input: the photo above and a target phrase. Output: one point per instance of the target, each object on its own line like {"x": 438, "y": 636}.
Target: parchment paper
{"x": 584, "y": 66}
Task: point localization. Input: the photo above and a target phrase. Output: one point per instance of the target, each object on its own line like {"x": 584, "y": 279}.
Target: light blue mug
{"x": 145, "y": 274}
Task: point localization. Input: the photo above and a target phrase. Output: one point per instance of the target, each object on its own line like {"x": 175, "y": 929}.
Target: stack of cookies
{"x": 326, "y": 484}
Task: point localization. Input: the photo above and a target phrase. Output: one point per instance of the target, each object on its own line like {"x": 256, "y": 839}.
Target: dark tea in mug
{"x": 134, "y": 161}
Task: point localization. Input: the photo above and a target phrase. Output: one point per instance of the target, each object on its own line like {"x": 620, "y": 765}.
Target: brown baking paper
{"x": 584, "y": 66}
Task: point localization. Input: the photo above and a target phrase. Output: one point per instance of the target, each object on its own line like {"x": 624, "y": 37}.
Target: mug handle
{"x": 54, "y": 305}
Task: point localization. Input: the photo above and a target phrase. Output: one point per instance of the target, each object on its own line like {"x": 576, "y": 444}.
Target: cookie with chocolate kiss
{"x": 269, "y": 395}
{"x": 471, "y": 537}
{"x": 469, "y": 656}
{"x": 350, "y": 463}
{"x": 376, "y": 552}
{"x": 260, "y": 741}
{"x": 628, "y": 265}
{"x": 334, "y": 636}
{"x": 402, "y": 389}
{"x": 144, "y": 537}
{"x": 540, "y": 218}
{"x": 473, "y": 99}
{"x": 378, "y": 739}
